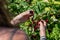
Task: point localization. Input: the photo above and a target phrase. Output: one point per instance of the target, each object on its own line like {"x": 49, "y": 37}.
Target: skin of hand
{"x": 26, "y": 16}
{"x": 22, "y": 17}
{"x": 42, "y": 28}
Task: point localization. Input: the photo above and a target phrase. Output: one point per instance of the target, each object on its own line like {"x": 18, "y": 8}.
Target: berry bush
{"x": 48, "y": 10}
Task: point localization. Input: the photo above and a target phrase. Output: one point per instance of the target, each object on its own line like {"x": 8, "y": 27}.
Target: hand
{"x": 42, "y": 25}
{"x": 22, "y": 17}
{"x": 25, "y": 16}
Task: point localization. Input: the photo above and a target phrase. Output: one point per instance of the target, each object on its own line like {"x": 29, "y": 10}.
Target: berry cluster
{"x": 36, "y": 26}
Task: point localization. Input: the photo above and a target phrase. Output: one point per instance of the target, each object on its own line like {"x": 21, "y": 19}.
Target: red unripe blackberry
{"x": 33, "y": 22}
{"x": 36, "y": 27}
{"x": 46, "y": 20}
{"x": 32, "y": 13}
{"x": 38, "y": 22}
{"x": 30, "y": 25}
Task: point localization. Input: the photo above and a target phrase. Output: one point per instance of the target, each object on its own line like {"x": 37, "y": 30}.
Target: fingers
{"x": 31, "y": 12}
{"x": 42, "y": 23}
{"x": 28, "y": 13}
{"x": 22, "y": 17}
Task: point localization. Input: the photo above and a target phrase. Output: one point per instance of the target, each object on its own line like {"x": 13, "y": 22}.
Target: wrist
{"x": 42, "y": 28}
{"x": 42, "y": 31}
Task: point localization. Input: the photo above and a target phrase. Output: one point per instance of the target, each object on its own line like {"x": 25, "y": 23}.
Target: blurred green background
{"x": 43, "y": 9}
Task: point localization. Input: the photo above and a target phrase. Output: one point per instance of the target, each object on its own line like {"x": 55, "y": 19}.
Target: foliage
{"x": 49, "y": 10}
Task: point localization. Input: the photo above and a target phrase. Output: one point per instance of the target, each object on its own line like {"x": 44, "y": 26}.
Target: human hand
{"x": 22, "y": 17}
{"x": 42, "y": 27}
{"x": 25, "y": 16}
{"x": 42, "y": 24}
